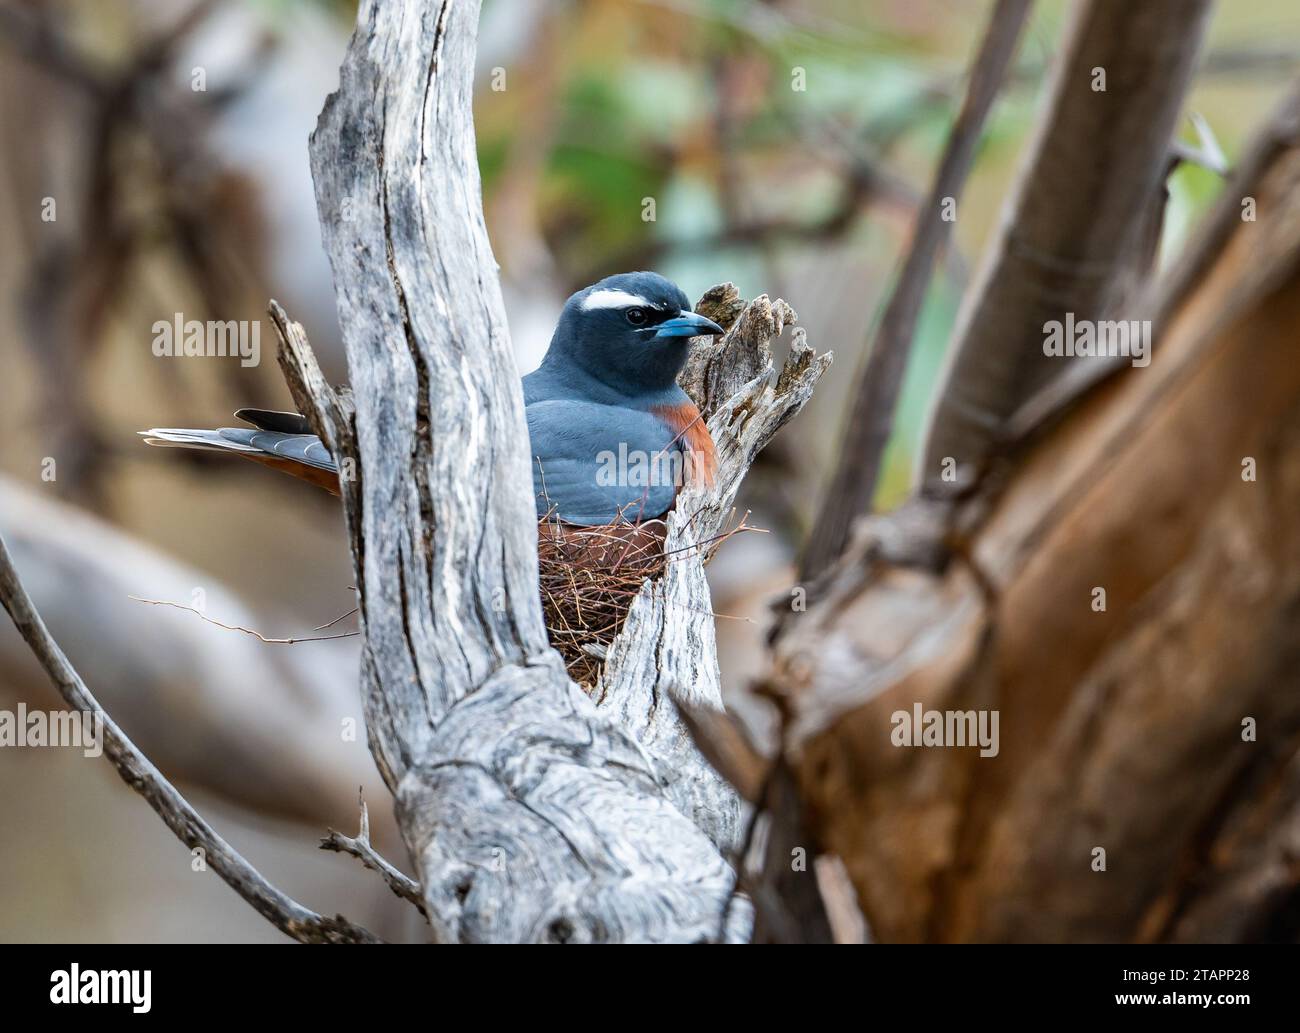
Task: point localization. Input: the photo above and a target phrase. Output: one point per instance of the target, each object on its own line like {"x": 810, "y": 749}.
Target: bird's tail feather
{"x": 298, "y": 454}
{"x": 181, "y": 437}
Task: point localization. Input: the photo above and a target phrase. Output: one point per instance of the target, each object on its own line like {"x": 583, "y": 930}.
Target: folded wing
{"x": 600, "y": 464}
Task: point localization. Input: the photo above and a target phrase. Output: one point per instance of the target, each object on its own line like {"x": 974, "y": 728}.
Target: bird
{"x": 612, "y": 436}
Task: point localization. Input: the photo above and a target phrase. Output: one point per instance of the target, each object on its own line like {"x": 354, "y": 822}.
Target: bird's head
{"x": 631, "y": 332}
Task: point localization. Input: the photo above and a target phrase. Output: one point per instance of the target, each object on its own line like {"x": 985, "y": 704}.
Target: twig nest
{"x": 589, "y": 577}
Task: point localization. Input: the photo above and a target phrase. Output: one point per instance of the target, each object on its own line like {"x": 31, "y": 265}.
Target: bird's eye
{"x": 636, "y": 316}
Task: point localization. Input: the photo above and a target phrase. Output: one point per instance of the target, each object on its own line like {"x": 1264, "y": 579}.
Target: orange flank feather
{"x": 693, "y": 435}
{"x": 327, "y": 479}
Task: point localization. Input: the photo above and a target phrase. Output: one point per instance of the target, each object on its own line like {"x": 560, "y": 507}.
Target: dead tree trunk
{"x": 530, "y": 811}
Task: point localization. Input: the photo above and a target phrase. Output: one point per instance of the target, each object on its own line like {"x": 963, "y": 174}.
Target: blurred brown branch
{"x": 258, "y": 727}
{"x": 82, "y": 264}
{"x": 1159, "y": 728}
{"x": 871, "y": 416}
{"x": 1076, "y": 216}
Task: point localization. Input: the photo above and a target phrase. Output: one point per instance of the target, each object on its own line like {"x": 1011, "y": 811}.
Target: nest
{"x": 589, "y": 578}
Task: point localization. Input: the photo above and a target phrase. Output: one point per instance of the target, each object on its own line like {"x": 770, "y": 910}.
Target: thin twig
{"x": 340, "y": 617}
{"x": 286, "y": 914}
{"x": 360, "y": 847}
{"x": 249, "y": 631}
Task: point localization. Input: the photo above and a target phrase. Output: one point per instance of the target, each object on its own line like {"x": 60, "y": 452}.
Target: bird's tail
{"x": 281, "y": 440}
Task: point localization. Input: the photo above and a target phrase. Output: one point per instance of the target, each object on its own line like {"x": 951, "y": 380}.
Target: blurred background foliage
{"x": 172, "y": 199}
{"x": 694, "y": 103}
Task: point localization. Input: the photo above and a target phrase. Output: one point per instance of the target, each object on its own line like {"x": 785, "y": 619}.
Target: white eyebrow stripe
{"x": 614, "y": 299}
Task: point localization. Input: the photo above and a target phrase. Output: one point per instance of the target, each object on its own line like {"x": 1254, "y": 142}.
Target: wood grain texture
{"x": 530, "y": 812}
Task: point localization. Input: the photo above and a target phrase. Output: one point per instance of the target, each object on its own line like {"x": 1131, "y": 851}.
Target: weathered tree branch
{"x": 286, "y": 914}
{"x": 530, "y": 812}
{"x": 257, "y": 726}
{"x": 359, "y": 846}
{"x": 666, "y": 651}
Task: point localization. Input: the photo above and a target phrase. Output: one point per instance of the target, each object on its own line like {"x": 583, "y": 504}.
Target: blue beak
{"x": 689, "y": 324}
